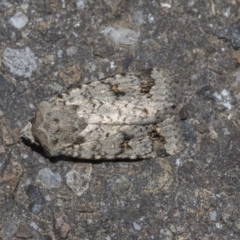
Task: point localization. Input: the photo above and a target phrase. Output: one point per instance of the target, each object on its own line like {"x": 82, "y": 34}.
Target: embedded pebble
{"x": 121, "y": 35}
{"x": 136, "y": 226}
{"x": 80, "y": 4}
{"x": 34, "y": 193}
{"x": 19, "y": 20}
{"x": 231, "y": 33}
{"x": 60, "y": 53}
{"x": 78, "y": 178}
{"x": 227, "y": 13}
{"x": 21, "y": 62}
{"x": 24, "y": 232}
{"x": 71, "y": 51}
{"x": 9, "y": 229}
{"x": 138, "y": 17}
{"x": 224, "y": 98}
{"x": 35, "y": 207}
{"x": 213, "y": 215}
{"x": 61, "y": 224}
{"x": 150, "y": 18}
{"x": 49, "y": 178}
{"x": 34, "y": 226}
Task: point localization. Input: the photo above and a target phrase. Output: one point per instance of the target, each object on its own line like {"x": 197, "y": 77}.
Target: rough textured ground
{"x": 48, "y": 47}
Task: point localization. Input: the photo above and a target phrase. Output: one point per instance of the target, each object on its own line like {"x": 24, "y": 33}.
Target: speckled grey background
{"x": 48, "y": 47}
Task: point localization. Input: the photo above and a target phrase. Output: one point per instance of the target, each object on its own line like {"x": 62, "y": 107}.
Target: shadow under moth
{"x": 130, "y": 116}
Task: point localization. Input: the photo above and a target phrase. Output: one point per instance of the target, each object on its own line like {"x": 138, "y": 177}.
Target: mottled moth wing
{"x": 121, "y": 117}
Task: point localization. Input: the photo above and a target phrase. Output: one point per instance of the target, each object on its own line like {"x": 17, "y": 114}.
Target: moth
{"x": 127, "y": 116}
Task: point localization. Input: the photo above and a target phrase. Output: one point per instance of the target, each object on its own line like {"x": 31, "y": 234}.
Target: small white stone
{"x": 34, "y": 226}
{"x": 225, "y": 131}
{"x": 24, "y": 156}
{"x": 71, "y": 51}
{"x": 80, "y": 4}
{"x": 136, "y": 226}
{"x": 60, "y": 53}
{"x": 112, "y": 65}
{"x": 24, "y": 6}
{"x": 225, "y": 93}
{"x": 49, "y": 178}
{"x": 48, "y": 198}
{"x": 101, "y": 75}
{"x": 227, "y": 12}
{"x": 224, "y": 98}
{"x": 165, "y": 5}
{"x": 218, "y": 225}
{"x": 194, "y": 77}
{"x": 31, "y": 106}
{"x": 217, "y": 96}
{"x": 178, "y": 162}
{"x": 150, "y": 18}
{"x": 213, "y": 215}
{"x": 19, "y": 20}
{"x": 227, "y": 105}
{"x": 21, "y": 62}
{"x": 121, "y": 35}
{"x": 41, "y": 160}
